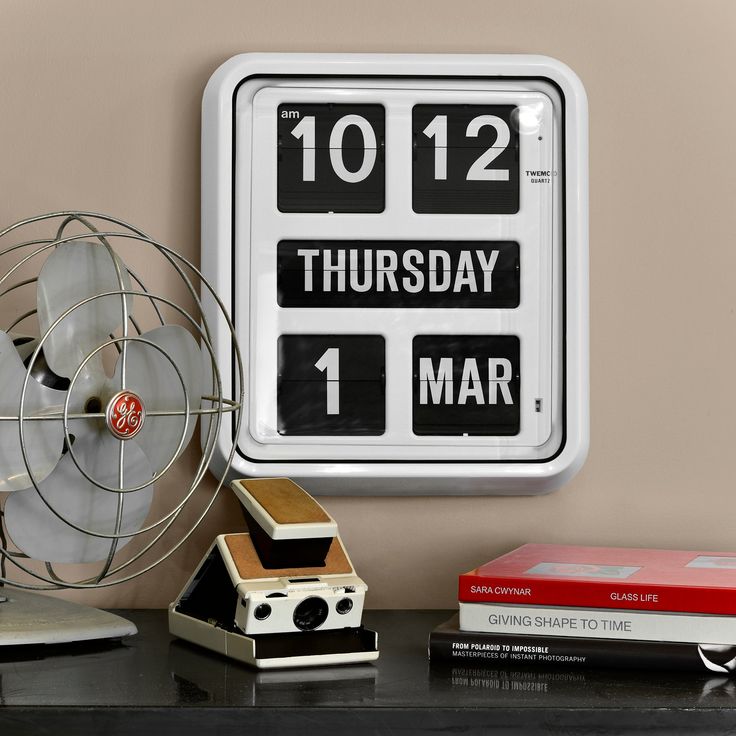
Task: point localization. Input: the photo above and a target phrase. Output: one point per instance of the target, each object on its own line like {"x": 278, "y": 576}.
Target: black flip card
{"x": 466, "y": 385}
{"x": 331, "y": 158}
{"x": 331, "y": 385}
{"x": 466, "y": 159}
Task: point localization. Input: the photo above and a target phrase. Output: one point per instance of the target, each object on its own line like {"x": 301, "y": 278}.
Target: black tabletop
{"x": 154, "y": 684}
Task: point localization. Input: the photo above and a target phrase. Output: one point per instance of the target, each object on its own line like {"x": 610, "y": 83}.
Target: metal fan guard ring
{"x": 220, "y": 405}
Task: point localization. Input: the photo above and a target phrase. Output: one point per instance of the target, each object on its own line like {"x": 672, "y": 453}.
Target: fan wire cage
{"x": 212, "y": 408}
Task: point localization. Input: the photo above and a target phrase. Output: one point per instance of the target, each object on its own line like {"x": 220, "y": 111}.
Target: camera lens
{"x": 310, "y": 613}
{"x": 263, "y": 611}
{"x": 344, "y": 605}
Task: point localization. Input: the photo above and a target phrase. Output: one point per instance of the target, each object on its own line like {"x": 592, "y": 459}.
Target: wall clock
{"x": 402, "y": 240}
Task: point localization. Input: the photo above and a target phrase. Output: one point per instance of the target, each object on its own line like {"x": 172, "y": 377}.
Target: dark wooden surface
{"x": 157, "y": 685}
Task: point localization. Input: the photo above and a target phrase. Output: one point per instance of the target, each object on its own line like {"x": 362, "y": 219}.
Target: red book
{"x": 607, "y": 577}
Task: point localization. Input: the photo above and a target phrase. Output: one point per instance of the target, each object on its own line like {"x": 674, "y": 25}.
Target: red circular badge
{"x": 125, "y": 415}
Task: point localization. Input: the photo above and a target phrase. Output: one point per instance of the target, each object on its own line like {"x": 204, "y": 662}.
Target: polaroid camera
{"x": 283, "y": 595}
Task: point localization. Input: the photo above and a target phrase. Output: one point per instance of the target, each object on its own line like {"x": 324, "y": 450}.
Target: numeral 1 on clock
{"x": 329, "y": 364}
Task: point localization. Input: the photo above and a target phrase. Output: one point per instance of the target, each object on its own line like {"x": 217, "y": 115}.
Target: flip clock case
{"x": 312, "y": 160}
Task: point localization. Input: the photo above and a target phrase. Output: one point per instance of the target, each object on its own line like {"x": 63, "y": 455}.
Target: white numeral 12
{"x": 437, "y": 129}
{"x": 330, "y": 362}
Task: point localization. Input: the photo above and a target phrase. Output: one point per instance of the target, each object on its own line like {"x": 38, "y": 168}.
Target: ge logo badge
{"x": 125, "y": 415}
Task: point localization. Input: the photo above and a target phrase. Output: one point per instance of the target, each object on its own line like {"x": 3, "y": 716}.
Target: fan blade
{"x": 24, "y": 344}
{"x": 87, "y": 388}
{"x": 38, "y": 532}
{"x": 44, "y": 439}
{"x": 152, "y": 376}
{"x": 76, "y": 271}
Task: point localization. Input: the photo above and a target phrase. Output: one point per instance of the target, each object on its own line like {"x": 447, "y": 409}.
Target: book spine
{"x": 598, "y": 623}
{"x": 595, "y": 594}
{"x": 503, "y": 650}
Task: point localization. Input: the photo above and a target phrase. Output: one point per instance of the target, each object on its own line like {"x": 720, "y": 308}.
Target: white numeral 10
{"x": 329, "y": 364}
{"x": 437, "y": 129}
{"x": 305, "y": 131}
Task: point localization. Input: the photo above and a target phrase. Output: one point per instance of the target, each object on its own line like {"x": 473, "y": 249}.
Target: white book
{"x": 598, "y": 623}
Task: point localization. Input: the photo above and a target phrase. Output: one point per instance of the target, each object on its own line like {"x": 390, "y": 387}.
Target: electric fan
{"x": 103, "y": 381}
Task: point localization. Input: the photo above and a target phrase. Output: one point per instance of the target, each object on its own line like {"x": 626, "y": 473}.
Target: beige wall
{"x": 99, "y": 109}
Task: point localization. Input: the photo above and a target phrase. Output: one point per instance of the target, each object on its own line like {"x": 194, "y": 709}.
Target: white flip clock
{"x": 401, "y": 241}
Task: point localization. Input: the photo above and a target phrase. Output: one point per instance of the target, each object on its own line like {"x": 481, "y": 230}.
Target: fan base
{"x": 32, "y": 618}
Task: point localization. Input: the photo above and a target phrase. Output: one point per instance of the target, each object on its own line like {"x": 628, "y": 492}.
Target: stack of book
{"x": 572, "y": 606}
